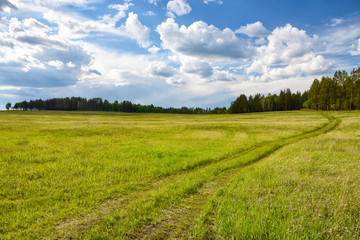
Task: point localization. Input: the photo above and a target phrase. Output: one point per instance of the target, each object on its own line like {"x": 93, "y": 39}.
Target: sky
{"x": 194, "y": 53}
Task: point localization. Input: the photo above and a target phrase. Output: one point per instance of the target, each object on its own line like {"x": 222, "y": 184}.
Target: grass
{"x": 308, "y": 190}
{"x": 107, "y": 175}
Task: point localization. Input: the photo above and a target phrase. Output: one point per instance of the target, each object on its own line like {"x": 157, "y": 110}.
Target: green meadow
{"x": 98, "y": 175}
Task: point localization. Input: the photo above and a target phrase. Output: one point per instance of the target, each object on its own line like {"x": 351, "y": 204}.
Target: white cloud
{"x": 356, "y": 50}
{"x": 254, "y": 30}
{"x": 153, "y": 2}
{"x": 68, "y": 26}
{"x": 136, "y": 30}
{"x": 35, "y": 24}
{"x": 341, "y": 39}
{"x": 112, "y": 20}
{"x": 215, "y": 1}
{"x": 73, "y": 28}
{"x": 195, "y": 66}
{"x": 161, "y": 69}
{"x": 149, "y": 13}
{"x": 202, "y": 40}
{"x": 109, "y": 68}
{"x": 153, "y": 49}
{"x": 70, "y": 65}
{"x": 260, "y": 41}
{"x": 27, "y": 49}
{"x": 57, "y": 64}
{"x": 336, "y": 21}
{"x": 175, "y": 80}
{"x": 290, "y": 52}
{"x": 178, "y": 7}
{"x": 222, "y": 76}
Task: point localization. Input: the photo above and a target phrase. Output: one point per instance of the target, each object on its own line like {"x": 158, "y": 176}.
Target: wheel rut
{"x": 174, "y": 216}
{"x": 175, "y": 221}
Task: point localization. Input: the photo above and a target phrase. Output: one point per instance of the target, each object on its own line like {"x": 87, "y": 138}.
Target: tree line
{"x": 97, "y": 104}
{"x": 341, "y": 92}
{"x": 285, "y": 101}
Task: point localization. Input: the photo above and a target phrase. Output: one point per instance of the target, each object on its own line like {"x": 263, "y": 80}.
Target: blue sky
{"x": 172, "y": 52}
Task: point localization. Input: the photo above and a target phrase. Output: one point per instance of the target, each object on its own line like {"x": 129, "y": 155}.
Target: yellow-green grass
{"x": 115, "y": 172}
{"x": 306, "y": 190}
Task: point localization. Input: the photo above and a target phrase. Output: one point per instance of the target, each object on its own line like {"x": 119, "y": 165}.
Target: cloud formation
{"x": 202, "y": 40}
{"x": 255, "y": 29}
{"x": 177, "y": 7}
{"x": 289, "y": 52}
{"x": 161, "y": 69}
{"x": 136, "y": 30}
{"x": 31, "y": 56}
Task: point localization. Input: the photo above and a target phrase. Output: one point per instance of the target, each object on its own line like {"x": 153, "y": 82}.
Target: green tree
{"x": 323, "y": 100}
{"x": 332, "y": 93}
{"x": 355, "y": 74}
{"x": 348, "y": 93}
{"x": 8, "y": 106}
{"x": 282, "y": 101}
{"x": 314, "y": 95}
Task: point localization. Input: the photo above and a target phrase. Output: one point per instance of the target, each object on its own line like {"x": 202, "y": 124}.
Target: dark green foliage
{"x": 97, "y": 104}
{"x": 342, "y": 92}
{"x": 8, "y": 106}
{"x": 259, "y": 103}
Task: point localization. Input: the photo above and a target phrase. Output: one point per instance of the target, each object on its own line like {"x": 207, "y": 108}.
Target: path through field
{"x": 175, "y": 212}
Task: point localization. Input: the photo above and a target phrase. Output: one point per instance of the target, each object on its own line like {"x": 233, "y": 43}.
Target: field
{"x": 88, "y": 175}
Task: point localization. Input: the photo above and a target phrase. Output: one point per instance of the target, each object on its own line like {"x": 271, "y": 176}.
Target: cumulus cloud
{"x": 201, "y": 68}
{"x": 178, "y": 7}
{"x": 161, "y": 69}
{"x": 222, "y": 76}
{"x": 255, "y": 29}
{"x": 289, "y": 52}
{"x": 202, "y": 40}
{"x": 5, "y": 4}
{"x": 136, "y": 30}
